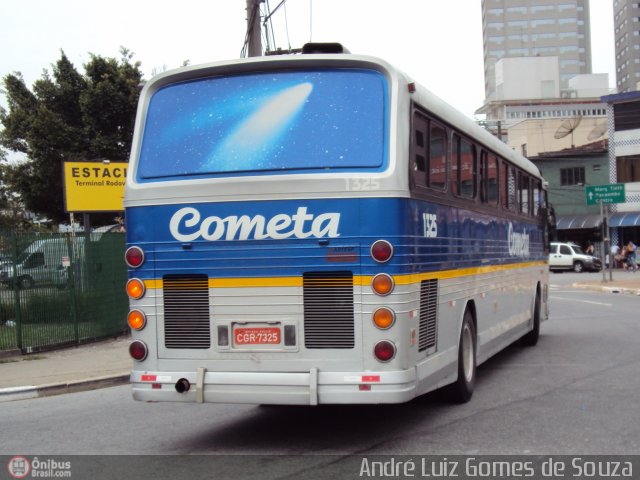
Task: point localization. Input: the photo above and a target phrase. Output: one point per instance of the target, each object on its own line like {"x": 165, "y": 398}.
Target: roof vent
{"x": 324, "y": 48}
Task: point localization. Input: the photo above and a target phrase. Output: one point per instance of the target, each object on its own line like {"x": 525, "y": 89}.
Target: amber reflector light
{"x": 382, "y": 284}
{"x": 135, "y": 288}
{"x": 384, "y": 317}
{"x": 136, "y": 320}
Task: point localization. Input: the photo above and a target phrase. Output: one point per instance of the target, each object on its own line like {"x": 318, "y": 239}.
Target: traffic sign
{"x": 606, "y": 194}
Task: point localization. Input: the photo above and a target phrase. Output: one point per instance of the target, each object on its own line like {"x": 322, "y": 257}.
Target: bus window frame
{"x": 486, "y": 157}
{"x": 419, "y": 175}
{"x": 456, "y": 157}
{"x": 509, "y": 200}
{"x": 421, "y": 179}
{"x": 524, "y": 180}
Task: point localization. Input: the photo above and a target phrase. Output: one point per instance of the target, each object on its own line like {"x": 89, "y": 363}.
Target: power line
{"x": 266, "y": 28}
{"x": 286, "y": 24}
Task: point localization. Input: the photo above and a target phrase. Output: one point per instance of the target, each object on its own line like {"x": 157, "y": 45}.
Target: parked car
{"x": 42, "y": 262}
{"x": 569, "y": 256}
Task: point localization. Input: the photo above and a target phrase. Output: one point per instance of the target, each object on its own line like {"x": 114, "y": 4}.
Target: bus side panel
{"x": 469, "y": 257}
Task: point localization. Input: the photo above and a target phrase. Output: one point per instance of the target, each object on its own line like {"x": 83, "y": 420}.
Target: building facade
{"x": 536, "y": 28}
{"x": 623, "y": 112}
{"x": 581, "y": 125}
{"x": 626, "y": 20}
{"x": 568, "y": 172}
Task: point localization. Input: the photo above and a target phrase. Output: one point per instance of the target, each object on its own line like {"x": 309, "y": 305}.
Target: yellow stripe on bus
{"x": 359, "y": 280}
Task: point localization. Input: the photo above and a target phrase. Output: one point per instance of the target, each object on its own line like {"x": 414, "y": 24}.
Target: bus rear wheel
{"x": 462, "y": 390}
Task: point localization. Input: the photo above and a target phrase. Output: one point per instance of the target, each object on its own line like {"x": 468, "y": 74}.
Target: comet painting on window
{"x": 318, "y": 120}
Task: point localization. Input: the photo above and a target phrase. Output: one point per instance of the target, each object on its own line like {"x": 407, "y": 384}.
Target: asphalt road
{"x": 576, "y": 392}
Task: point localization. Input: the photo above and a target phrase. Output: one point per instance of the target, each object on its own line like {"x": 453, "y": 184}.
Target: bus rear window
{"x": 315, "y": 120}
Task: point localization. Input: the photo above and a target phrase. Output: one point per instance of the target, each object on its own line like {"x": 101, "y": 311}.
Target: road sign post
{"x": 606, "y": 194}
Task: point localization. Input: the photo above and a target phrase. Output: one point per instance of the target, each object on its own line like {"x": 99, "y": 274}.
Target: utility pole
{"x": 253, "y": 28}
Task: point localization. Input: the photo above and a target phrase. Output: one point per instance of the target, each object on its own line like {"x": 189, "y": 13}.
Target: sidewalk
{"x": 107, "y": 363}
{"x": 87, "y": 367}
{"x": 623, "y": 282}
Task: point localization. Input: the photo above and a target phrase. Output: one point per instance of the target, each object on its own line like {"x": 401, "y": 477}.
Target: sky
{"x": 437, "y": 42}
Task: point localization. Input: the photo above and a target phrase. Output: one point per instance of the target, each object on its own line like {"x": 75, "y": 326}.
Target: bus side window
{"x": 455, "y": 159}
{"x": 492, "y": 180}
{"x": 419, "y": 151}
{"x": 437, "y": 157}
{"x": 508, "y": 187}
{"x": 467, "y": 169}
{"x": 524, "y": 190}
{"x": 537, "y": 200}
{"x": 483, "y": 176}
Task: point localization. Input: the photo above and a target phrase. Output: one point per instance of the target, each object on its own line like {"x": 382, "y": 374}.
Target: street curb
{"x": 10, "y": 353}
{"x": 30, "y": 391}
{"x": 605, "y": 289}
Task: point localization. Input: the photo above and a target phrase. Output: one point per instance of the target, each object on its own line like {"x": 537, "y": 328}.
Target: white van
{"x": 569, "y": 256}
{"x": 42, "y": 262}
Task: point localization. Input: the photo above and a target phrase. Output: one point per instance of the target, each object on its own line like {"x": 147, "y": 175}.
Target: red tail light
{"x": 384, "y": 350}
{"x": 134, "y": 257}
{"x": 381, "y": 251}
{"x": 138, "y": 350}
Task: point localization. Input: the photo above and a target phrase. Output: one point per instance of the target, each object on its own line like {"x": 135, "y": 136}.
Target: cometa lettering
{"x": 187, "y": 225}
{"x": 518, "y": 243}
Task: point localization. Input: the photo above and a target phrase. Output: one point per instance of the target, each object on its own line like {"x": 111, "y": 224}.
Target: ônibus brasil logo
{"x": 187, "y": 225}
{"x": 19, "y": 467}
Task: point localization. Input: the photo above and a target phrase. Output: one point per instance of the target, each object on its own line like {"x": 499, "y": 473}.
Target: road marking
{"x": 582, "y": 301}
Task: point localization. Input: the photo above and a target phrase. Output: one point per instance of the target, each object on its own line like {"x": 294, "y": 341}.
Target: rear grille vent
{"x": 186, "y": 311}
{"x": 428, "y": 314}
{"x": 328, "y": 310}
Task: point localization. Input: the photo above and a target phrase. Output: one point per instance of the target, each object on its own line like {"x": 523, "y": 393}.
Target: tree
{"x": 67, "y": 117}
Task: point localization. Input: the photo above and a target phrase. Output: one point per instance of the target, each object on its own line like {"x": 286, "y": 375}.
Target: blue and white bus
{"x": 320, "y": 229}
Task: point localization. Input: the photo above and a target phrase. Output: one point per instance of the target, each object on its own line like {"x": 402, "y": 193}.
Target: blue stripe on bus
{"x": 296, "y": 236}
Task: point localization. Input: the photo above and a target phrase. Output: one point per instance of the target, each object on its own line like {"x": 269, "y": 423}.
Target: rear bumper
{"x": 301, "y": 388}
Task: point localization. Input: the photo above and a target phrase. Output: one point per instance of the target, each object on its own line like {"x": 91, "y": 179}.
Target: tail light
{"x": 138, "y": 350}
{"x": 135, "y": 288}
{"x": 384, "y": 350}
{"x": 134, "y": 257}
{"x": 382, "y": 284}
{"x": 384, "y": 318}
{"x": 381, "y": 251}
{"x": 136, "y": 319}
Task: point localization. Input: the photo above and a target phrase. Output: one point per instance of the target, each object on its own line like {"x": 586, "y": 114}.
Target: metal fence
{"x": 60, "y": 289}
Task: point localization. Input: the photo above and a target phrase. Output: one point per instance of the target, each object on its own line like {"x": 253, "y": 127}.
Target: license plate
{"x": 256, "y": 336}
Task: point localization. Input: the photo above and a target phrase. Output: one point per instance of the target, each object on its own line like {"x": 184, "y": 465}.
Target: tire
{"x": 462, "y": 390}
{"x": 531, "y": 338}
{"x": 25, "y": 283}
{"x": 578, "y": 267}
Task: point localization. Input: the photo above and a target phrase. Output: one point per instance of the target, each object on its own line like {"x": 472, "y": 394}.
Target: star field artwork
{"x": 268, "y": 121}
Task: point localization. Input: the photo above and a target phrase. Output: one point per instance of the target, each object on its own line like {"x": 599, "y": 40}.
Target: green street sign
{"x": 606, "y": 194}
